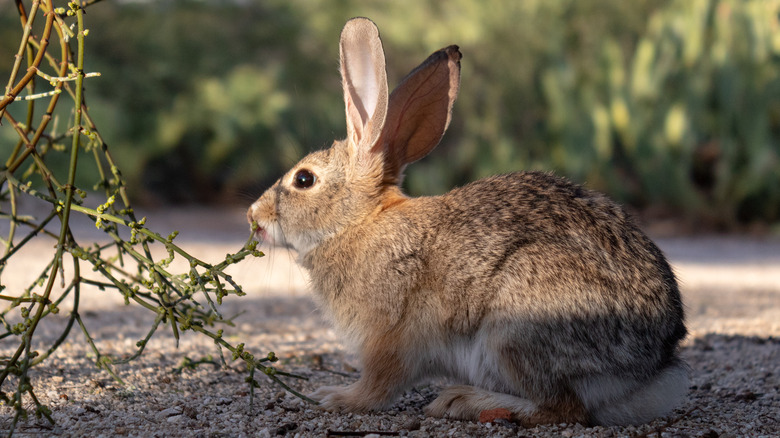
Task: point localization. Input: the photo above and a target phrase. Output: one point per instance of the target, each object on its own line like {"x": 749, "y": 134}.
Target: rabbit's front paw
{"x": 336, "y": 398}
{"x": 357, "y": 397}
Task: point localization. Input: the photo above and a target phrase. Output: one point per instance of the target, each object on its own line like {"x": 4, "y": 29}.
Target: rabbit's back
{"x": 573, "y": 286}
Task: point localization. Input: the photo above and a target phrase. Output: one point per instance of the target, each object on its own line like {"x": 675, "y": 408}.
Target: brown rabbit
{"x": 537, "y": 295}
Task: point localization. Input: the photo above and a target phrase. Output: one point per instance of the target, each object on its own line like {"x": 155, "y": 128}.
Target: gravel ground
{"x": 731, "y": 288}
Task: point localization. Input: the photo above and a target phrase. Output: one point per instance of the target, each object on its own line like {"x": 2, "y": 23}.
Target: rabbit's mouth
{"x": 270, "y": 235}
{"x": 261, "y": 234}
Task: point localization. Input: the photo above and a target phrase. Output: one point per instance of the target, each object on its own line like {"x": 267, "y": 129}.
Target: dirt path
{"x": 731, "y": 288}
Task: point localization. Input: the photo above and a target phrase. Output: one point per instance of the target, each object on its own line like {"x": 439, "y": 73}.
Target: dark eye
{"x": 304, "y": 179}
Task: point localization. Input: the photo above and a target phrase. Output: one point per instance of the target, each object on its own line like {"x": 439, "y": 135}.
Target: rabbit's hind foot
{"x": 467, "y": 402}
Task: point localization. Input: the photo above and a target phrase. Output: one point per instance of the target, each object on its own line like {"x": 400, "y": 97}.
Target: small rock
{"x": 175, "y": 410}
{"x": 412, "y": 424}
{"x": 190, "y": 412}
{"x": 282, "y": 430}
{"x": 747, "y": 396}
{"x": 505, "y": 423}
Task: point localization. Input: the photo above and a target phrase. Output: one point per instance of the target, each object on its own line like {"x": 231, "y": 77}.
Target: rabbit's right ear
{"x": 364, "y": 80}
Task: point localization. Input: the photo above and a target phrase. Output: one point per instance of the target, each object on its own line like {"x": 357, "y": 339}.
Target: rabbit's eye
{"x": 304, "y": 179}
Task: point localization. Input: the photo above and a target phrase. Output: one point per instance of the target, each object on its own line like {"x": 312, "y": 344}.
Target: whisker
{"x": 291, "y": 262}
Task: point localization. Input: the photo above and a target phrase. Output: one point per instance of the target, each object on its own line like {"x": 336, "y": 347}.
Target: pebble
{"x": 175, "y": 410}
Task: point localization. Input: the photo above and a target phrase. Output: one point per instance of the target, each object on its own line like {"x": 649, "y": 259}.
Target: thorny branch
{"x": 125, "y": 265}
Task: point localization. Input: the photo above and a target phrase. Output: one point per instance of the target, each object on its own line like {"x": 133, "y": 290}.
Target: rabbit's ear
{"x": 364, "y": 80}
{"x": 419, "y": 112}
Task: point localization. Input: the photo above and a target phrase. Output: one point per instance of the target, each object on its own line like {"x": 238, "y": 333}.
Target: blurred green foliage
{"x": 689, "y": 119}
{"x": 664, "y": 104}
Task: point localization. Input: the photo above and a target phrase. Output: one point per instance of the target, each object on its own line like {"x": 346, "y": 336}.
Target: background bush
{"x": 669, "y": 105}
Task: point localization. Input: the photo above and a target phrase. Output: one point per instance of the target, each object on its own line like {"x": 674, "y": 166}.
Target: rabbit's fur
{"x": 544, "y": 298}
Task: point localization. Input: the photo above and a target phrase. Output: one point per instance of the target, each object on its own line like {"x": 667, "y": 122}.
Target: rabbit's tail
{"x": 613, "y": 401}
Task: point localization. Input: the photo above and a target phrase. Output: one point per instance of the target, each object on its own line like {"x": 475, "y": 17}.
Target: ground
{"x": 730, "y": 284}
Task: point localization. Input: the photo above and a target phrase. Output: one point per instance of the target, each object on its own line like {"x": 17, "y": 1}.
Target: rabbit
{"x": 532, "y": 293}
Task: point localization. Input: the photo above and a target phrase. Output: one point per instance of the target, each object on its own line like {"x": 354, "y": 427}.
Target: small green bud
{"x": 239, "y": 351}
{"x": 18, "y": 329}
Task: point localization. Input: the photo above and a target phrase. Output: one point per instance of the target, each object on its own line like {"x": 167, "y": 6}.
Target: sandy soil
{"x": 731, "y": 288}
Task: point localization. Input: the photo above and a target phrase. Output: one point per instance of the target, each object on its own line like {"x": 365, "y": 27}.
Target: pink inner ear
{"x": 364, "y": 81}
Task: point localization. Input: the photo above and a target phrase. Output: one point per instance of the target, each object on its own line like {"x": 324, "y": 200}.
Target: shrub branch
{"x": 182, "y": 301}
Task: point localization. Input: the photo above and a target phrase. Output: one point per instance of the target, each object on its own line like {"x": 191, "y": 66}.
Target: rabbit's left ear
{"x": 364, "y": 80}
